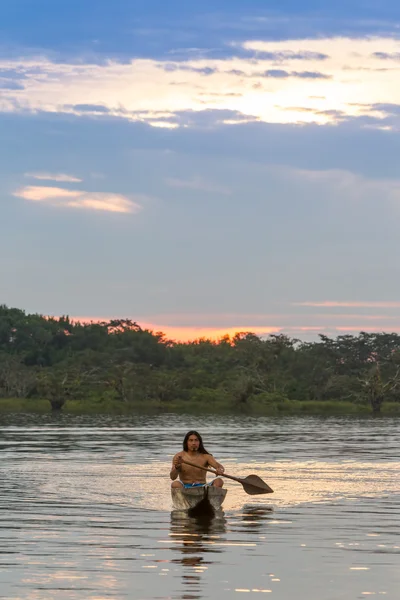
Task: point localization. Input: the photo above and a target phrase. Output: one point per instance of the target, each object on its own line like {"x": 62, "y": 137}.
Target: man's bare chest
{"x": 200, "y": 460}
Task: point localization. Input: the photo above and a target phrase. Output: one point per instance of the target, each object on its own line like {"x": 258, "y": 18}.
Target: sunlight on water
{"x": 86, "y": 512}
{"x": 294, "y": 483}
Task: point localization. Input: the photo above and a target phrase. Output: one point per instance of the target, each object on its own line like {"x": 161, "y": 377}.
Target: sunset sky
{"x": 202, "y": 167}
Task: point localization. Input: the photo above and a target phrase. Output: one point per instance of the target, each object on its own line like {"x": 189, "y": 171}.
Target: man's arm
{"x": 215, "y": 465}
{"x": 176, "y": 466}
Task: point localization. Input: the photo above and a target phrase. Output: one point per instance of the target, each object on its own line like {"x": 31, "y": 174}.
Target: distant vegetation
{"x": 118, "y": 366}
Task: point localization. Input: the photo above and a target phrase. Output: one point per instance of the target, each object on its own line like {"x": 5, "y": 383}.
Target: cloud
{"x": 92, "y": 108}
{"x": 172, "y": 67}
{"x": 281, "y": 74}
{"x": 277, "y": 73}
{"x": 380, "y": 110}
{"x": 355, "y": 187}
{"x": 64, "y": 198}
{"x": 339, "y": 71}
{"x": 387, "y": 55}
{"x": 309, "y": 75}
{"x": 210, "y": 119}
{"x": 104, "y": 201}
{"x": 285, "y": 55}
{"x": 344, "y": 304}
{"x": 9, "y": 73}
{"x": 43, "y": 194}
{"x": 196, "y": 183}
{"x": 8, "y": 84}
{"x": 60, "y": 177}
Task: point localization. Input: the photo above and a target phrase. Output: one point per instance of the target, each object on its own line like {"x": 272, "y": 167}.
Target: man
{"x": 194, "y": 452}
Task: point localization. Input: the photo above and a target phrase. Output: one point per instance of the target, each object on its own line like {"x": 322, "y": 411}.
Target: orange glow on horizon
{"x": 189, "y": 333}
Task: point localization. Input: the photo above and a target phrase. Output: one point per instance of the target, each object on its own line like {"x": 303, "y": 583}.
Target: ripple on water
{"x": 85, "y": 510}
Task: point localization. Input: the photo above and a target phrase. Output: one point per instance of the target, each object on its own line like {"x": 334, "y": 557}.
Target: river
{"x": 85, "y": 509}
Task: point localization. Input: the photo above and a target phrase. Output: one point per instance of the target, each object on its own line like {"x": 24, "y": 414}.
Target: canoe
{"x": 198, "y": 500}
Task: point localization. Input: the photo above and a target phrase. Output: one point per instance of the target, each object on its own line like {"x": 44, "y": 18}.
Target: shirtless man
{"x": 194, "y": 452}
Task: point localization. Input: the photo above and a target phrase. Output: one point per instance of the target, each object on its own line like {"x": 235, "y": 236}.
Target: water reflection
{"x": 254, "y": 517}
{"x": 85, "y": 510}
{"x": 195, "y": 539}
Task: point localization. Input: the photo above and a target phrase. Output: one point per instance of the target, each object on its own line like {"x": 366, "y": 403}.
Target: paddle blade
{"x": 253, "y": 485}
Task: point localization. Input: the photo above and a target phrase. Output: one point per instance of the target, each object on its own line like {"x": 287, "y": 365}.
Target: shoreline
{"x": 284, "y": 408}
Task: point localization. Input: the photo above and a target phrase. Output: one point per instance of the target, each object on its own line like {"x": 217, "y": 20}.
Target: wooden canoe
{"x": 198, "y": 500}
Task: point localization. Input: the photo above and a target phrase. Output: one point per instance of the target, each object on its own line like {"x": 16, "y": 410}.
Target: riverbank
{"x": 284, "y": 407}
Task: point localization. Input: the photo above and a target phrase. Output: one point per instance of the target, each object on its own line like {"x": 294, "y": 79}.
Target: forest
{"x": 118, "y": 366}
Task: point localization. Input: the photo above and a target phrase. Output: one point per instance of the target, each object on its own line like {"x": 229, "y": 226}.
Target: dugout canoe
{"x": 198, "y": 500}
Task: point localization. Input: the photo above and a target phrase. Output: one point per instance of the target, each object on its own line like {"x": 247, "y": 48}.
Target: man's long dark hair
{"x": 202, "y": 450}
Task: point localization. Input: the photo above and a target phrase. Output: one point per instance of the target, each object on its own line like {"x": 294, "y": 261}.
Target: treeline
{"x": 117, "y": 361}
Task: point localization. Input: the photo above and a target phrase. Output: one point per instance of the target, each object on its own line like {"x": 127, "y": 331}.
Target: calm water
{"x": 85, "y": 510}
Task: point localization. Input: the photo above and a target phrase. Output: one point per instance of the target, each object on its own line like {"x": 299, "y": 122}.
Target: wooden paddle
{"x": 252, "y": 484}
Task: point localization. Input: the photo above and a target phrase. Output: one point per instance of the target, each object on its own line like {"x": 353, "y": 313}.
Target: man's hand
{"x": 219, "y": 470}
{"x": 177, "y": 462}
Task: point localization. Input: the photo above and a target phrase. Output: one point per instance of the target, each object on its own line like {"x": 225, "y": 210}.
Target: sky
{"x": 202, "y": 168}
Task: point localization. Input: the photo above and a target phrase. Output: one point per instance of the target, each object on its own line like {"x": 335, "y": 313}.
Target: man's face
{"x": 193, "y": 443}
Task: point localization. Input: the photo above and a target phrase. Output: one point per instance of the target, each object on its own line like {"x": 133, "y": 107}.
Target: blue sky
{"x": 202, "y": 168}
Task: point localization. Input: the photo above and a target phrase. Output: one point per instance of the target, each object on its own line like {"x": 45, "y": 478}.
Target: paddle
{"x": 252, "y": 484}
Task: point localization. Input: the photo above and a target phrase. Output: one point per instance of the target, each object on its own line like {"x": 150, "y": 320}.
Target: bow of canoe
{"x": 207, "y": 499}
